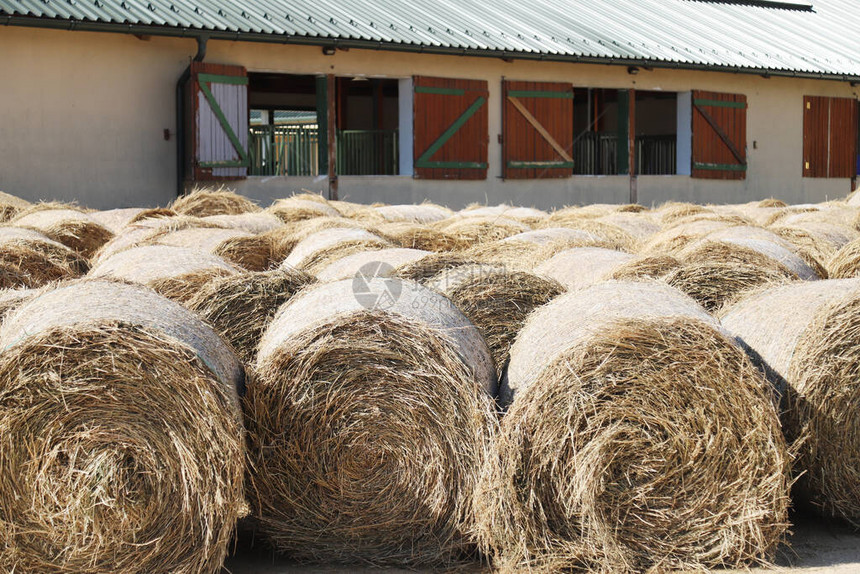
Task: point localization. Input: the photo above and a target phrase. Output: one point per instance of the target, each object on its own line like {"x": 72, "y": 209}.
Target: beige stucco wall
{"x": 82, "y": 117}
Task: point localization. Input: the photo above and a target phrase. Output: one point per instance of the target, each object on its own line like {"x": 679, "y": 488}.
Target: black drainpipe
{"x": 180, "y": 116}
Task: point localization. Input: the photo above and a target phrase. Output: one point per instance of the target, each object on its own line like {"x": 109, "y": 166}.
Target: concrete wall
{"x": 82, "y": 117}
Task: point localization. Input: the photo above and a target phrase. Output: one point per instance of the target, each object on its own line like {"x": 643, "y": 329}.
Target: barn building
{"x": 549, "y": 102}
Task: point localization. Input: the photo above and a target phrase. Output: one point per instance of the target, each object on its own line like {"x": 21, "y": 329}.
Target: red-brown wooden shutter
{"x": 843, "y": 137}
{"x": 829, "y": 137}
{"x": 538, "y": 129}
{"x": 816, "y": 120}
{"x": 219, "y": 122}
{"x": 450, "y": 128}
{"x": 719, "y": 135}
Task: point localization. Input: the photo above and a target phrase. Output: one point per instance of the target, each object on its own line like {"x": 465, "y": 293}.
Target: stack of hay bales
{"x": 368, "y": 425}
{"x": 805, "y": 336}
{"x": 64, "y": 224}
{"x": 247, "y": 250}
{"x": 300, "y": 208}
{"x": 638, "y": 437}
{"x": 474, "y": 229}
{"x": 123, "y": 446}
{"x": 378, "y": 263}
{"x": 423, "y": 213}
{"x": 29, "y": 259}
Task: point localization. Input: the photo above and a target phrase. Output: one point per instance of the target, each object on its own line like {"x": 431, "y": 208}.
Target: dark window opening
{"x": 656, "y": 133}
{"x": 288, "y": 133}
{"x": 596, "y": 120}
{"x": 367, "y": 126}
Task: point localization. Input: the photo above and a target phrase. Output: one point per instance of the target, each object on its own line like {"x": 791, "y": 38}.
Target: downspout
{"x": 180, "y": 116}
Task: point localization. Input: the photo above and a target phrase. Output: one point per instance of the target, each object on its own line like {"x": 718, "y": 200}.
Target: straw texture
{"x": 582, "y": 266}
{"x": 204, "y": 202}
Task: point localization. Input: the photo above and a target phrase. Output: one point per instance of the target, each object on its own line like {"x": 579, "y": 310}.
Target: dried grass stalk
{"x": 821, "y": 240}
{"x": 183, "y": 287}
{"x": 497, "y": 301}
{"x": 11, "y": 299}
{"x": 128, "y": 450}
{"x": 673, "y": 211}
{"x": 368, "y": 427}
{"x": 241, "y": 306}
{"x": 29, "y": 259}
{"x": 582, "y": 266}
{"x": 527, "y": 215}
{"x": 252, "y": 252}
{"x": 715, "y": 273}
{"x": 383, "y": 262}
{"x": 801, "y": 261}
{"x": 641, "y": 226}
{"x": 202, "y": 202}
{"x": 771, "y": 202}
{"x": 672, "y": 240}
{"x": 806, "y": 337}
{"x": 613, "y": 236}
{"x": 640, "y": 439}
{"x": 74, "y": 229}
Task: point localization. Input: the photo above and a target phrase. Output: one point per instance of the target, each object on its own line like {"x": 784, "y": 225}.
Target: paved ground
{"x": 817, "y": 547}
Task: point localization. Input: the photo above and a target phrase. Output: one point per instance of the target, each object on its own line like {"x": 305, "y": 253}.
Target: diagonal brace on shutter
{"x": 559, "y": 149}
{"x": 721, "y": 133}
{"x": 424, "y": 160}
{"x": 205, "y": 80}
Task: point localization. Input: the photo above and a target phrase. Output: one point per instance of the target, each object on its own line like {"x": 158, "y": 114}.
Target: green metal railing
{"x": 294, "y": 150}
{"x": 284, "y": 150}
{"x": 367, "y": 152}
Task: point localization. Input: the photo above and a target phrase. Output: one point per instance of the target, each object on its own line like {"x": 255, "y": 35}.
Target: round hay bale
{"x": 640, "y": 438}
{"x": 115, "y": 220}
{"x": 154, "y": 213}
{"x": 431, "y": 265}
{"x": 527, "y": 215}
{"x": 821, "y": 240}
{"x": 550, "y": 235}
{"x": 29, "y": 259}
{"x": 574, "y": 213}
{"x": 252, "y": 252}
{"x": 771, "y": 202}
{"x": 845, "y": 263}
{"x": 613, "y": 236}
{"x": 381, "y": 262}
{"x": 645, "y": 267}
{"x": 582, "y": 266}
{"x": 853, "y": 198}
{"x": 471, "y": 230}
{"x": 424, "y": 213}
{"x": 74, "y": 229}
{"x": 526, "y": 255}
{"x": 256, "y": 223}
{"x": 174, "y": 271}
{"x": 497, "y": 301}
{"x": 202, "y": 202}
{"x": 11, "y": 299}
{"x": 241, "y": 306}
{"x": 417, "y": 236}
{"x": 10, "y": 206}
{"x": 772, "y": 244}
{"x": 640, "y": 226}
{"x": 316, "y": 251}
{"x": 805, "y": 336}
{"x": 295, "y": 209}
{"x": 347, "y": 208}
{"x": 674, "y": 239}
{"x": 672, "y": 211}
{"x": 129, "y": 449}
{"x": 715, "y": 273}
{"x": 368, "y": 425}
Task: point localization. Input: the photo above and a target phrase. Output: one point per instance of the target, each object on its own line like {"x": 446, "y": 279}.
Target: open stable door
{"x": 450, "y": 128}
{"x": 538, "y": 129}
{"x": 218, "y": 130}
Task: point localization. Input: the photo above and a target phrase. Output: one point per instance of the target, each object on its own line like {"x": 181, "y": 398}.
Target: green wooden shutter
{"x": 719, "y": 135}
{"x": 219, "y": 116}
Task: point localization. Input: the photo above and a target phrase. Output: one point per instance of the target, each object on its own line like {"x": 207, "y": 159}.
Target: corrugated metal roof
{"x": 682, "y": 33}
